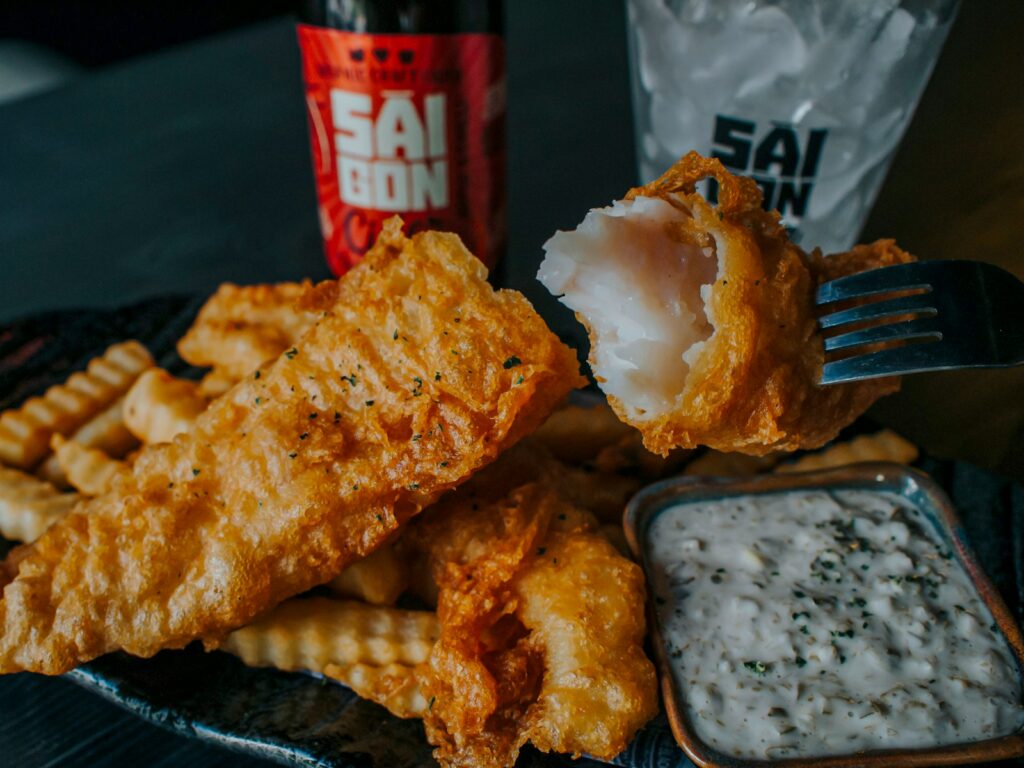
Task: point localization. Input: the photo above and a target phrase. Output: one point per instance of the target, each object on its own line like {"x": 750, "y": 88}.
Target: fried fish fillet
{"x": 542, "y": 624}
{"x": 701, "y": 318}
{"x": 414, "y": 376}
{"x": 241, "y": 327}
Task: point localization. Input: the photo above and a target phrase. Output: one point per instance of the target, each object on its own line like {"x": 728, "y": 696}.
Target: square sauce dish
{"x": 831, "y": 618}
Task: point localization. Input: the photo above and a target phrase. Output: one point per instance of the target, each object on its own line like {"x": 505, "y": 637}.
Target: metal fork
{"x": 966, "y": 314}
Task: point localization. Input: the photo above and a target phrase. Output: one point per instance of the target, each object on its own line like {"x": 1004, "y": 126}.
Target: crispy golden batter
{"x": 747, "y": 379}
{"x": 542, "y": 625}
{"x": 415, "y": 375}
{"x": 242, "y": 327}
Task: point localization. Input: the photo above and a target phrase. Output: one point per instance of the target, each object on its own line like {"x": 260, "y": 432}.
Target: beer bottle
{"x": 406, "y": 108}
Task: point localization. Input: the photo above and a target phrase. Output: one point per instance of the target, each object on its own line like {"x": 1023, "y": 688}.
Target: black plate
{"x": 301, "y": 720}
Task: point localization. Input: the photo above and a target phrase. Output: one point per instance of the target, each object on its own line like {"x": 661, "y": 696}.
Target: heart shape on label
{"x": 357, "y": 54}
{"x": 405, "y": 56}
{"x": 381, "y": 54}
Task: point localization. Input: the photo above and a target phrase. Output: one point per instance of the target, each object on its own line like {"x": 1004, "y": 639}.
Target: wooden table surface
{"x": 177, "y": 171}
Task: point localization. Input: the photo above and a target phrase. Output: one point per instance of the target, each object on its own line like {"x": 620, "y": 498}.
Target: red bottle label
{"x": 410, "y": 125}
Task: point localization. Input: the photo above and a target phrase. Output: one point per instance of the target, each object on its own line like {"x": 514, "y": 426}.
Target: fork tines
{"x": 905, "y": 318}
{"x": 945, "y": 314}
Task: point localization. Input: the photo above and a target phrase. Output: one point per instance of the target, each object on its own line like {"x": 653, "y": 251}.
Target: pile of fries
{"x": 73, "y": 442}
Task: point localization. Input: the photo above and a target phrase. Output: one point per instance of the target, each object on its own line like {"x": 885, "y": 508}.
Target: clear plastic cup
{"x": 808, "y": 97}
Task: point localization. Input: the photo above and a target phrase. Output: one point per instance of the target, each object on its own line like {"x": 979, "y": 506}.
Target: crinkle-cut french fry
{"x": 378, "y": 579}
{"x": 396, "y": 687}
{"x": 105, "y": 432}
{"x": 160, "y": 406}
{"x": 240, "y": 327}
{"x": 718, "y": 464}
{"x": 25, "y": 432}
{"x": 216, "y": 383}
{"x": 575, "y": 434}
{"x": 885, "y": 445}
{"x": 310, "y": 633}
{"x": 89, "y": 470}
{"x": 29, "y": 505}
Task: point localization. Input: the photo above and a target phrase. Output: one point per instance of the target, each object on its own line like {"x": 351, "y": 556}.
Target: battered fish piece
{"x": 241, "y": 327}
{"x": 701, "y": 318}
{"x": 403, "y": 388}
{"x": 542, "y": 625}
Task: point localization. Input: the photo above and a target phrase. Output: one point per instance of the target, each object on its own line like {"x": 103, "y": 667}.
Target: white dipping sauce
{"x": 809, "y": 622}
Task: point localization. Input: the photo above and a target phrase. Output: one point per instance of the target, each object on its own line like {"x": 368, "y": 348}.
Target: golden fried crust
{"x": 542, "y": 627}
{"x": 241, "y": 327}
{"x": 400, "y": 391}
{"x": 753, "y": 388}
{"x": 582, "y": 603}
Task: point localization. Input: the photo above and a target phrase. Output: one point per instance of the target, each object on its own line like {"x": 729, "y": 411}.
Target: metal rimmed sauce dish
{"x": 933, "y": 510}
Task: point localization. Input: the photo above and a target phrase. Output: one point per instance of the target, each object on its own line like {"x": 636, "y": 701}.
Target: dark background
{"x": 177, "y": 158}
{"x": 95, "y": 34}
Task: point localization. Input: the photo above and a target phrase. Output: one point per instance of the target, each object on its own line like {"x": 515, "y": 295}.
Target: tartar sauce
{"x": 810, "y": 622}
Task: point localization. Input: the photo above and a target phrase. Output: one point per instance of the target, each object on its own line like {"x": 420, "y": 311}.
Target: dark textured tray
{"x": 301, "y": 720}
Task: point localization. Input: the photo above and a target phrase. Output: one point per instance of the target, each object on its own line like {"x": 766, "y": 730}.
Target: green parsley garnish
{"x": 195, "y": 472}
{"x": 801, "y": 661}
{"x": 512, "y": 362}
{"x": 291, "y": 353}
{"x": 758, "y": 667}
{"x": 369, "y": 403}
